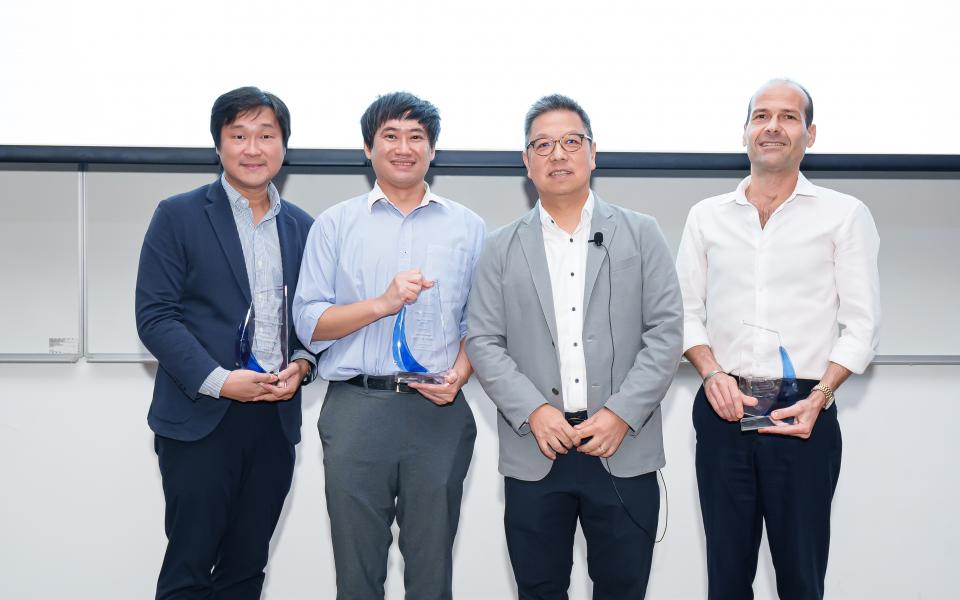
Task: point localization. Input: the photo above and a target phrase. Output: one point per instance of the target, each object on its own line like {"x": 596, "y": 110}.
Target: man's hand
{"x": 441, "y": 393}
{"x": 245, "y": 385}
{"x": 806, "y": 412}
{"x": 726, "y": 398}
{"x": 404, "y": 289}
{"x": 287, "y": 383}
{"x": 554, "y": 435}
{"x": 607, "y": 430}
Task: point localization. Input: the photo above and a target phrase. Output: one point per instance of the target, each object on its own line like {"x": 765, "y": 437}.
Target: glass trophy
{"x": 767, "y": 374}
{"x": 263, "y": 341}
{"x": 420, "y": 347}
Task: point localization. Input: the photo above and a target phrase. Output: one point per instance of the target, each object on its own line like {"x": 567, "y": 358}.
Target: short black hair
{"x": 400, "y": 105}
{"x": 243, "y": 100}
{"x": 807, "y": 111}
{"x": 551, "y": 103}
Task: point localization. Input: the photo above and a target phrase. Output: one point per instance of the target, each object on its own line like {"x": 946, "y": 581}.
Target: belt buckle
{"x": 396, "y": 385}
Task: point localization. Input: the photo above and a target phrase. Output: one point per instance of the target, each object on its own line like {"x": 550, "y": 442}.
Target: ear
{"x": 812, "y": 135}
{"x": 593, "y": 155}
{"x": 366, "y": 150}
{"x": 526, "y": 162}
{"x": 433, "y": 153}
{"x": 743, "y": 139}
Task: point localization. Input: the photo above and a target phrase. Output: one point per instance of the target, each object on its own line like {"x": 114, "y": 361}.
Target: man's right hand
{"x": 243, "y": 385}
{"x": 404, "y": 289}
{"x": 726, "y": 398}
{"x": 554, "y": 435}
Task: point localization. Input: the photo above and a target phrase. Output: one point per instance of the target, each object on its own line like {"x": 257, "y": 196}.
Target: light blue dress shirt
{"x": 353, "y": 252}
{"x": 261, "y": 255}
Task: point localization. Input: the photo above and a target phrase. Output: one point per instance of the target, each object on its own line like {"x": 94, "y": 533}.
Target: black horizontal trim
{"x": 659, "y": 161}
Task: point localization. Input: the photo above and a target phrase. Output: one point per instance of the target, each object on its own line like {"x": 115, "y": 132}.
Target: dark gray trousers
{"x": 388, "y": 455}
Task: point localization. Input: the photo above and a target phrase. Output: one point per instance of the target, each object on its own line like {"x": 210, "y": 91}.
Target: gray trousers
{"x": 388, "y": 455}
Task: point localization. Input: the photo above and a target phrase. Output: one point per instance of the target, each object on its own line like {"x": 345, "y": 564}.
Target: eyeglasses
{"x": 570, "y": 142}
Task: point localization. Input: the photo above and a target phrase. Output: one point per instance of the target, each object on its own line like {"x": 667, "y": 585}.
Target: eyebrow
{"x": 411, "y": 130}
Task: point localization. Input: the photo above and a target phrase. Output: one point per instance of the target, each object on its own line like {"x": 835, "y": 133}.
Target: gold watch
{"x": 827, "y": 393}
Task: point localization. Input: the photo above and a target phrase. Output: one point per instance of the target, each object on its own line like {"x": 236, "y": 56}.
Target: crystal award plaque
{"x": 263, "y": 341}
{"x": 420, "y": 347}
{"x": 767, "y": 374}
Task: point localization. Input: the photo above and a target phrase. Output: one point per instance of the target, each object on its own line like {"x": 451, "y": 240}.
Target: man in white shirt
{"x": 574, "y": 330}
{"x": 780, "y": 255}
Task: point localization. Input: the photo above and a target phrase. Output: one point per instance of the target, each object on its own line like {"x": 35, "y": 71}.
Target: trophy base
{"x": 752, "y": 423}
{"x": 410, "y": 377}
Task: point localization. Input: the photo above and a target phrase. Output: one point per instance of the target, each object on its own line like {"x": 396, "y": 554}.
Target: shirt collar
{"x": 804, "y": 188}
{"x": 586, "y": 215}
{"x": 238, "y": 201}
{"x": 377, "y": 194}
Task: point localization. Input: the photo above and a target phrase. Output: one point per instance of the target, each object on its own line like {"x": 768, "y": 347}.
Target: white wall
{"x": 81, "y": 514}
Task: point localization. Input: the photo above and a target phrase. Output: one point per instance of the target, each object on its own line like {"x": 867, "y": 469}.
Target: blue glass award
{"x": 420, "y": 347}
{"x": 263, "y": 339}
{"x": 767, "y": 374}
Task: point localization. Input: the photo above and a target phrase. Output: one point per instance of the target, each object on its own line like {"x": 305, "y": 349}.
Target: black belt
{"x": 384, "y": 383}
{"x": 575, "y": 418}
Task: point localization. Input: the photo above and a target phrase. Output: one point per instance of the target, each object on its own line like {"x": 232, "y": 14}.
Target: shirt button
{"x": 571, "y": 274}
{"x": 555, "y": 391}
{"x": 571, "y": 240}
{"x": 575, "y": 344}
{"x": 574, "y": 309}
{"x": 577, "y": 380}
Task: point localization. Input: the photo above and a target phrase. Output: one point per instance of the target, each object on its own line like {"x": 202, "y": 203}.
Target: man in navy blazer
{"x": 225, "y": 435}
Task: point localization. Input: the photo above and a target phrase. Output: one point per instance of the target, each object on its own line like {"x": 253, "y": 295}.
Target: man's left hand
{"x": 607, "y": 430}
{"x": 805, "y": 411}
{"x": 441, "y": 393}
{"x": 288, "y": 382}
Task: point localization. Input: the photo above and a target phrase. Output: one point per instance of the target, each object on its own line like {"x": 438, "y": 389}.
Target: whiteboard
{"x": 40, "y": 264}
{"x": 918, "y": 219}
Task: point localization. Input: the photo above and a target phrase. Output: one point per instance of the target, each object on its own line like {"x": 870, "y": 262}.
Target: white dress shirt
{"x": 810, "y": 274}
{"x": 567, "y": 261}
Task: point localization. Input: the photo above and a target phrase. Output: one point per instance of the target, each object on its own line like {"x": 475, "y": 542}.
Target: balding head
{"x": 780, "y": 81}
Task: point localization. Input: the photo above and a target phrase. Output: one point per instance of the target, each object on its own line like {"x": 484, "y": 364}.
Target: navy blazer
{"x": 193, "y": 294}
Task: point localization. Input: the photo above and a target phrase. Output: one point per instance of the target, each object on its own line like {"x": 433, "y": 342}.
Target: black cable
{"x": 598, "y": 241}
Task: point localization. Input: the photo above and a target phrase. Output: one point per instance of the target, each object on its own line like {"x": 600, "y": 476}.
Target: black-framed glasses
{"x": 570, "y": 142}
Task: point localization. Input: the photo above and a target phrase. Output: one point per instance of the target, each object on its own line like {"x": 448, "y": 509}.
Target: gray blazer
{"x": 512, "y": 335}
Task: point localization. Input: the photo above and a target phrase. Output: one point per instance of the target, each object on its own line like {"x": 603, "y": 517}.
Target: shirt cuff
{"x": 312, "y": 373}
{"x": 308, "y": 322}
{"x": 212, "y": 385}
{"x": 694, "y": 334}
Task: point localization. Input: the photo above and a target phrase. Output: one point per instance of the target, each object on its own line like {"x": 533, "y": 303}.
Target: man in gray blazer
{"x": 575, "y": 332}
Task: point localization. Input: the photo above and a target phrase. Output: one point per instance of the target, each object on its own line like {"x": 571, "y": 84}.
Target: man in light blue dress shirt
{"x": 391, "y": 450}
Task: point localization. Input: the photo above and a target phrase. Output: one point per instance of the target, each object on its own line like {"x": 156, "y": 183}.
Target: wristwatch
{"x": 827, "y": 393}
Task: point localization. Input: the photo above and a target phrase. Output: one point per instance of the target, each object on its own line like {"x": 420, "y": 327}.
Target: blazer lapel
{"x": 603, "y": 222}
{"x": 288, "y": 232}
{"x": 225, "y": 227}
{"x": 531, "y": 240}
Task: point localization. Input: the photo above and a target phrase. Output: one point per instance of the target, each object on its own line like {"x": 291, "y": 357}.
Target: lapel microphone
{"x": 597, "y": 239}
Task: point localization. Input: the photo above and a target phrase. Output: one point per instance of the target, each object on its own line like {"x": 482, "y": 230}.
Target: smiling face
{"x": 776, "y": 134}
{"x": 251, "y": 151}
{"x": 561, "y": 175}
{"x": 400, "y": 155}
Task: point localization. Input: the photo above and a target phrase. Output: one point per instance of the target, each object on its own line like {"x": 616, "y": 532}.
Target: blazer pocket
{"x": 624, "y": 263}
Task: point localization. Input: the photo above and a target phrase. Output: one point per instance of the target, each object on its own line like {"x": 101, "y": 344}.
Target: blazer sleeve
{"x": 160, "y": 283}
{"x": 661, "y": 312}
{"x": 511, "y": 391}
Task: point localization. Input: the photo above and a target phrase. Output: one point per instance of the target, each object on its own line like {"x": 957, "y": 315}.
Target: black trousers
{"x": 224, "y": 494}
{"x": 541, "y": 518}
{"x": 747, "y": 479}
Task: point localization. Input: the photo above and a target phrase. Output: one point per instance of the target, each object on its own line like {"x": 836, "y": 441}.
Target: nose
{"x": 773, "y": 124}
{"x": 252, "y": 147}
{"x": 403, "y": 145}
{"x": 558, "y": 152}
